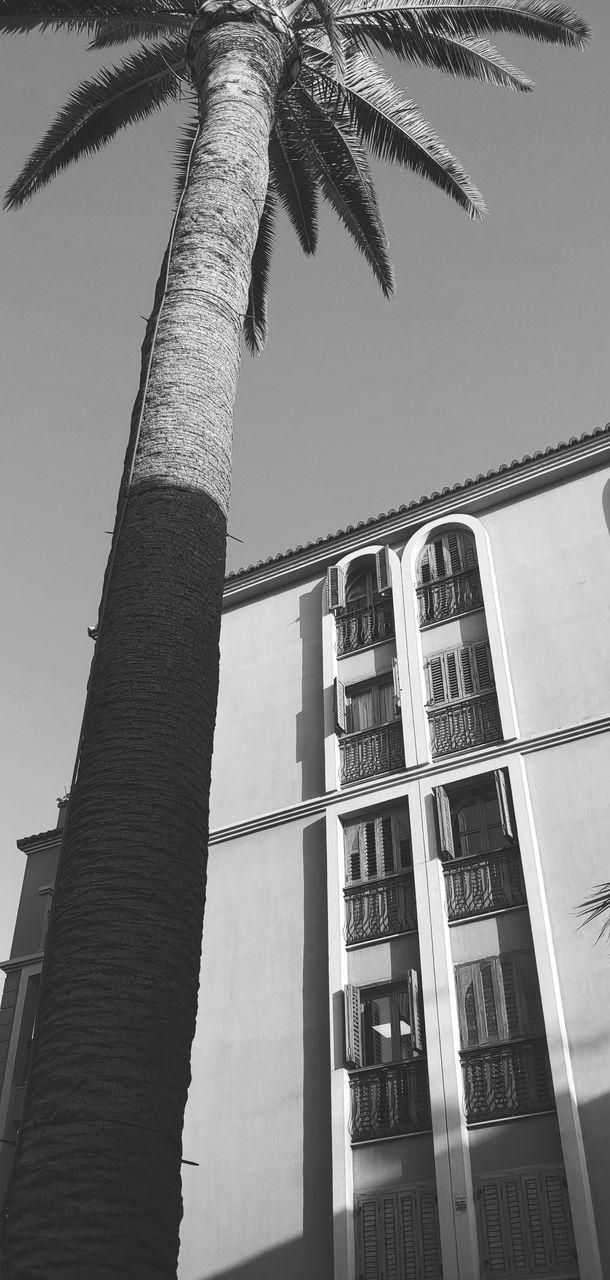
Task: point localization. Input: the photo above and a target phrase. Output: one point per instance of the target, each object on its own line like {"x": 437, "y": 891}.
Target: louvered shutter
{"x": 470, "y": 1013}
{"x": 437, "y": 558}
{"x": 387, "y": 847}
{"x": 402, "y": 841}
{"x": 492, "y": 1242}
{"x": 391, "y": 1246}
{"x": 482, "y": 662}
{"x": 445, "y": 828}
{"x": 353, "y": 1027}
{"x": 526, "y": 975}
{"x": 430, "y": 1247}
{"x": 453, "y": 676}
{"x": 340, "y": 707}
{"x": 407, "y": 1208}
{"x": 335, "y": 588}
{"x": 468, "y": 549}
{"x": 509, "y": 977}
{"x": 454, "y": 552}
{"x": 370, "y": 845}
{"x": 466, "y": 672}
{"x": 396, "y": 683}
{"x": 382, "y": 570}
{"x": 415, "y": 1020}
{"x": 369, "y": 1251}
{"x": 352, "y": 837}
{"x": 504, "y": 803}
{"x": 493, "y": 1015}
{"x": 425, "y": 570}
{"x": 557, "y": 1205}
{"x": 435, "y": 680}
{"x": 535, "y": 1222}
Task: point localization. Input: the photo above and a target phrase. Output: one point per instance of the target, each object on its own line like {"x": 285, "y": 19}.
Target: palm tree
{"x": 287, "y": 98}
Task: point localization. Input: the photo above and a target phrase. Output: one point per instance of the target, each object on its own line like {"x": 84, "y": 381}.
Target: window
{"x": 397, "y": 1234}
{"x": 368, "y": 707}
{"x": 383, "y": 1024}
{"x": 367, "y": 579}
{"x": 498, "y": 999}
{"x": 478, "y": 820}
{"x": 457, "y": 674}
{"x": 524, "y": 1224}
{"x": 377, "y": 846}
{"x": 447, "y": 555}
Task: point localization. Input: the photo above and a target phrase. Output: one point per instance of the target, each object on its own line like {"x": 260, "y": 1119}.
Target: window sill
{"x": 388, "y": 1137}
{"x": 485, "y": 915}
{"x": 441, "y": 622}
{"x": 384, "y": 937}
{"x": 523, "y": 1115}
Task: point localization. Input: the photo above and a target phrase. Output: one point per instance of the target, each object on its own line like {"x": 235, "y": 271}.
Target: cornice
{"x": 397, "y": 781}
{"x": 508, "y": 482}
{"x": 21, "y": 962}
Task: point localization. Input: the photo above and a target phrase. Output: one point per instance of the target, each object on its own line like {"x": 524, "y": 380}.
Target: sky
{"x": 495, "y": 345}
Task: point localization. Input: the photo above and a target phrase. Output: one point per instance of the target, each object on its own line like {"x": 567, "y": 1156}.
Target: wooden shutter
{"x": 557, "y": 1206}
{"x": 352, "y": 837}
{"x": 524, "y": 1223}
{"x": 470, "y": 1013}
{"x": 484, "y": 674}
{"x": 367, "y": 1236}
{"x": 429, "y": 1241}
{"x": 396, "y": 682}
{"x": 387, "y": 846}
{"x": 415, "y": 1021}
{"x": 340, "y": 707}
{"x": 407, "y": 1207}
{"x": 504, "y": 804}
{"x": 454, "y": 552}
{"x": 435, "y": 680}
{"x": 402, "y": 841}
{"x": 492, "y": 1242}
{"x": 382, "y": 570}
{"x": 445, "y": 829}
{"x": 335, "y": 588}
{"x": 425, "y": 569}
{"x": 392, "y": 1250}
{"x": 353, "y": 1027}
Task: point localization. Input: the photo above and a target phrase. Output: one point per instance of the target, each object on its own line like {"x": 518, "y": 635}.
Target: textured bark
{"x": 95, "y": 1190}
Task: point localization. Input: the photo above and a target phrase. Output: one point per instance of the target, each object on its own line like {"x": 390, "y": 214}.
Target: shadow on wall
{"x": 606, "y": 504}
{"x": 317, "y": 1243}
{"x": 310, "y": 719}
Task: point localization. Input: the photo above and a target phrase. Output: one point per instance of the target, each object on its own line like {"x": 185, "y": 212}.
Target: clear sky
{"x": 495, "y": 345}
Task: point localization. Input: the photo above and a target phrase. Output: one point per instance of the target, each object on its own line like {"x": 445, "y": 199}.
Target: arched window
{"x": 448, "y": 582}
{"x": 361, "y": 600}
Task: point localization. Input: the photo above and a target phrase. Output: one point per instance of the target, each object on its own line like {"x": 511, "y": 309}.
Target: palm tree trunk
{"x": 95, "y": 1189}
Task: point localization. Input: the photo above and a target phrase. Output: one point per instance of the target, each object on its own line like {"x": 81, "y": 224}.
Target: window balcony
{"x": 359, "y": 628}
{"x": 371, "y": 752}
{"x": 448, "y": 598}
{"x": 379, "y": 909}
{"x": 460, "y": 725}
{"x": 388, "y": 1101}
{"x": 484, "y": 883}
{"x": 512, "y": 1079}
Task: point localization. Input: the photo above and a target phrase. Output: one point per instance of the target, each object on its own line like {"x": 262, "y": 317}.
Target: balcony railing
{"x": 389, "y": 1100}
{"x": 484, "y": 883}
{"x": 379, "y": 909}
{"x": 460, "y": 725}
{"x": 511, "y": 1079}
{"x": 358, "y": 628}
{"x": 372, "y": 751}
{"x": 449, "y": 597}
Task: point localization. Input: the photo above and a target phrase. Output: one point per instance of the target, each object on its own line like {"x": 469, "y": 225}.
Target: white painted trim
{"x": 487, "y": 492}
{"x": 389, "y": 786}
{"x": 495, "y": 630}
{"x": 342, "y": 1166}
{"x": 28, "y": 971}
{"x": 557, "y": 1037}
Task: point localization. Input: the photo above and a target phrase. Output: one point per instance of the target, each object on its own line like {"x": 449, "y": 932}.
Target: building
{"x": 401, "y": 1063}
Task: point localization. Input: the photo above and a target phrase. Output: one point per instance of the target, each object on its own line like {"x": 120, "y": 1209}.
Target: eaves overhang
{"x": 510, "y": 481}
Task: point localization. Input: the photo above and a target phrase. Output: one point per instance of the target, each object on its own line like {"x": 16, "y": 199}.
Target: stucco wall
{"x": 268, "y": 750}
{"x": 258, "y": 1118}
{"x": 551, "y": 554}
{"x": 571, "y": 804}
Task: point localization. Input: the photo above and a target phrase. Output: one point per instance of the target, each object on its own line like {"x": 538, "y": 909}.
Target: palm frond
{"x": 183, "y": 152}
{"x": 543, "y": 20}
{"x": 97, "y": 109}
{"x": 466, "y": 56}
{"x": 293, "y": 181}
{"x": 122, "y": 30}
{"x": 595, "y": 907}
{"x": 326, "y": 15}
{"x": 255, "y": 319}
{"x": 337, "y": 161}
{"x": 20, "y": 16}
{"x": 394, "y": 130}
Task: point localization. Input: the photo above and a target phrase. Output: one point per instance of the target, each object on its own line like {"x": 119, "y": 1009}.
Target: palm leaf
{"x": 464, "y": 56}
{"x": 394, "y": 130}
{"x": 595, "y": 907}
{"x": 121, "y": 30}
{"x": 337, "y": 161}
{"x": 326, "y": 15}
{"x": 536, "y": 19}
{"x": 255, "y": 319}
{"x": 94, "y": 113}
{"x": 19, "y": 16}
{"x": 293, "y": 182}
{"x": 183, "y": 153}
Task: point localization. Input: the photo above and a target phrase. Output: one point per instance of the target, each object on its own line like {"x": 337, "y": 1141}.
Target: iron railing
{"x": 358, "y": 628}
{"x": 389, "y": 1100}
{"x": 372, "y": 751}
{"x": 380, "y": 908}
{"x": 483, "y": 883}
{"x": 512, "y": 1079}
{"x": 450, "y": 597}
{"x": 460, "y": 725}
